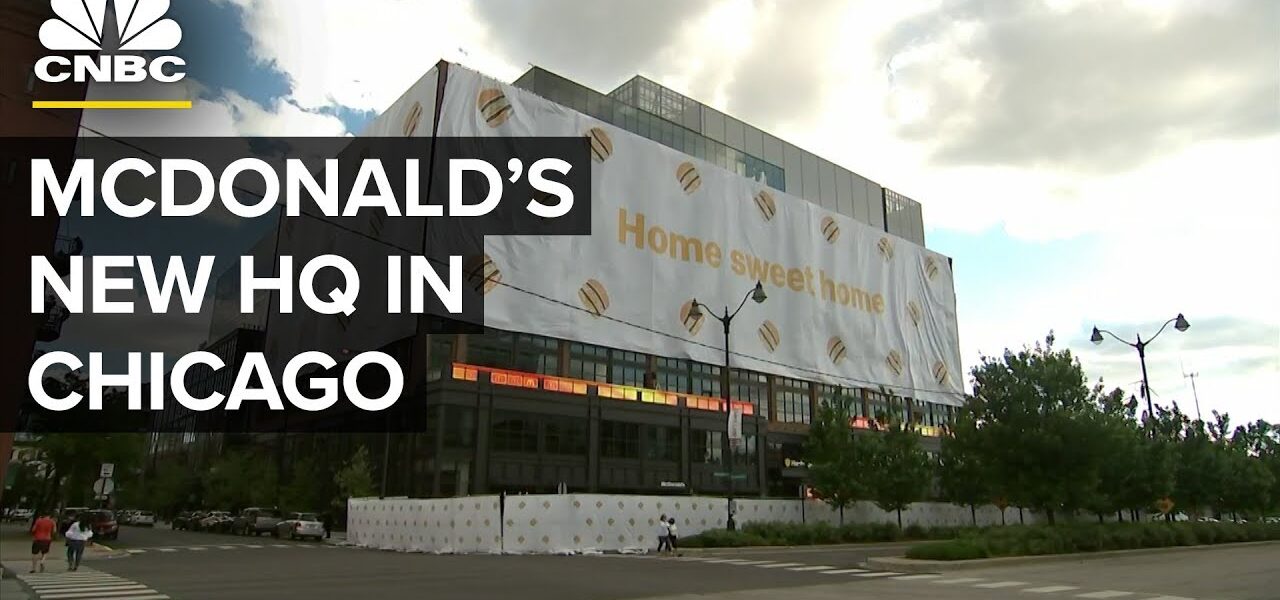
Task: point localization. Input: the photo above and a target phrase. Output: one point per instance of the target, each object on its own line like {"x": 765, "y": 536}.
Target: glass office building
{"x": 665, "y": 116}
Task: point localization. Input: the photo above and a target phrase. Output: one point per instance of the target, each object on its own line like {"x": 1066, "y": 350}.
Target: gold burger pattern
{"x": 764, "y": 201}
{"x": 940, "y": 373}
{"x": 482, "y": 273}
{"x": 830, "y": 229}
{"x": 913, "y": 311}
{"x": 691, "y": 323}
{"x": 412, "y": 119}
{"x": 886, "y": 248}
{"x": 770, "y": 335}
{"x": 594, "y": 297}
{"x": 930, "y": 267}
{"x": 688, "y": 177}
{"x": 836, "y": 349}
{"x": 894, "y": 360}
{"x": 493, "y": 106}
{"x": 601, "y": 145}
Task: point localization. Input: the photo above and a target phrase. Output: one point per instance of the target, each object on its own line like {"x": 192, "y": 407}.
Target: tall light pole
{"x": 1180, "y": 323}
{"x": 1192, "y": 377}
{"x": 695, "y": 312}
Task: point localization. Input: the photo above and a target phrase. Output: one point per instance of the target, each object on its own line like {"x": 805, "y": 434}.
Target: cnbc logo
{"x": 80, "y": 26}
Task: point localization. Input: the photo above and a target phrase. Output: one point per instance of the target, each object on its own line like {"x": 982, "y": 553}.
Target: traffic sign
{"x": 104, "y": 486}
{"x": 1164, "y": 505}
{"x": 108, "y": 469}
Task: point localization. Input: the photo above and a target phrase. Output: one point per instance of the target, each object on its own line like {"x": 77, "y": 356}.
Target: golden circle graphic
{"x": 594, "y": 297}
{"x": 412, "y": 119}
{"x": 688, "y": 177}
{"x": 691, "y": 323}
{"x": 830, "y": 229}
{"x": 894, "y": 360}
{"x": 482, "y": 273}
{"x": 885, "y": 245}
{"x": 764, "y": 202}
{"x": 494, "y": 106}
{"x": 836, "y": 349}
{"x": 913, "y": 311}
{"x": 940, "y": 373}
{"x": 601, "y": 145}
{"x": 770, "y": 335}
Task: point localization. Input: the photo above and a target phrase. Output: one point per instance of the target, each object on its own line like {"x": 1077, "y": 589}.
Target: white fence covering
{"x": 570, "y": 523}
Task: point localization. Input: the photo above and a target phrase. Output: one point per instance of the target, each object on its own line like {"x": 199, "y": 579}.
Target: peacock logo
{"x": 80, "y": 26}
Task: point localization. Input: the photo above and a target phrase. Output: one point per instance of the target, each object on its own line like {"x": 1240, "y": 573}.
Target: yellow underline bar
{"x": 114, "y": 104}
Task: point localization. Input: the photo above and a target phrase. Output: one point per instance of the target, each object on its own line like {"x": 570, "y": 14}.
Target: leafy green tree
{"x": 834, "y": 457}
{"x": 1038, "y": 439}
{"x": 306, "y": 487}
{"x": 900, "y": 470}
{"x": 354, "y": 479}
{"x": 239, "y": 479}
{"x": 962, "y": 474}
{"x": 75, "y": 460}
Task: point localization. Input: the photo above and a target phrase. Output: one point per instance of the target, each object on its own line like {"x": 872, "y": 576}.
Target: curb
{"x": 110, "y": 552}
{"x": 813, "y": 547}
{"x": 908, "y": 565}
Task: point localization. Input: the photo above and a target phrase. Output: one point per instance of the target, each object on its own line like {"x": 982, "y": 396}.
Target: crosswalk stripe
{"x": 196, "y": 548}
{"x": 1105, "y": 594}
{"x": 877, "y": 574}
{"x": 136, "y": 551}
{"x": 87, "y": 587}
{"x": 778, "y": 565}
{"x": 728, "y": 561}
{"x": 1001, "y": 584}
{"x": 843, "y": 571}
{"x": 958, "y": 580}
{"x": 252, "y": 545}
{"x": 1053, "y": 589}
{"x": 279, "y": 545}
{"x": 1171, "y": 598}
{"x": 752, "y": 562}
{"x": 917, "y": 577}
{"x": 92, "y": 593}
{"x": 83, "y": 585}
{"x": 166, "y": 549}
{"x": 813, "y": 568}
{"x": 226, "y": 547}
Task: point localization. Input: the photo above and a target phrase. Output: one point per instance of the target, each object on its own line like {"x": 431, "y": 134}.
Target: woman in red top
{"x": 41, "y": 538}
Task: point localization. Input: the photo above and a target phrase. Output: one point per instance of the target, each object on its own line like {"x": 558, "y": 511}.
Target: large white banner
{"x": 847, "y": 303}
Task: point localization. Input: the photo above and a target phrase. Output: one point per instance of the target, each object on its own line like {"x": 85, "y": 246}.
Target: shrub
{"x": 1077, "y": 537}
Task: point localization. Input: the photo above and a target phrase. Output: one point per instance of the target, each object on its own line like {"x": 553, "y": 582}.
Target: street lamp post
{"x": 695, "y": 311}
{"x": 1180, "y": 323}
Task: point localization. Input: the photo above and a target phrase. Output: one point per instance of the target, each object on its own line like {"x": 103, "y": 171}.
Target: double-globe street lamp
{"x": 695, "y": 312}
{"x": 1179, "y": 322}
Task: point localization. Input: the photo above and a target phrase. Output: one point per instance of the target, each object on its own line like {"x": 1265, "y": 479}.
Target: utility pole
{"x": 1192, "y": 377}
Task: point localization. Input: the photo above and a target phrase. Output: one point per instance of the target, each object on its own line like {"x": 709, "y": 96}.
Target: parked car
{"x": 143, "y": 518}
{"x": 256, "y": 521}
{"x": 218, "y": 521}
{"x": 1271, "y": 519}
{"x": 300, "y": 525}
{"x": 20, "y": 514}
{"x": 67, "y": 516}
{"x": 125, "y": 517}
{"x": 1208, "y": 520}
{"x": 105, "y": 526}
{"x": 182, "y": 520}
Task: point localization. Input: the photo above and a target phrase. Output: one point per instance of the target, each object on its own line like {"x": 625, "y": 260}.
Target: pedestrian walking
{"x": 78, "y": 534}
{"x": 41, "y": 537}
{"x": 663, "y": 541}
{"x": 671, "y": 535}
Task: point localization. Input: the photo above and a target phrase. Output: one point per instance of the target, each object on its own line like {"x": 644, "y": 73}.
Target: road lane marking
{"x": 919, "y": 577}
{"x": 779, "y": 565}
{"x": 136, "y": 551}
{"x": 279, "y": 545}
{"x": 877, "y": 574}
{"x": 1001, "y": 584}
{"x": 1053, "y": 589}
{"x": 843, "y": 571}
{"x": 196, "y": 548}
{"x": 958, "y": 580}
{"x": 813, "y": 568}
{"x": 752, "y": 562}
{"x": 166, "y": 549}
{"x": 1105, "y": 594}
{"x": 1171, "y": 598}
{"x": 252, "y": 545}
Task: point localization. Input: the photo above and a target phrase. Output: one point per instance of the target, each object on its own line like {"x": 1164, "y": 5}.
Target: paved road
{"x": 195, "y": 565}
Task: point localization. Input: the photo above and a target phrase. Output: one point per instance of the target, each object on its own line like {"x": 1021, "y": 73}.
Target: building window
{"x": 627, "y": 368}
{"x": 705, "y": 379}
{"x": 589, "y": 362}
{"x": 441, "y": 356}
{"x": 671, "y": 375}
{"x": 619, "y": 440}
{"x": 661, "y": 443}
{"x": 491, "y": 349}
{"x": 748, "y": 386}
{"x": 706, "y": 446}
{"x": 566, "y": 435}
{"x": 514, "y": 432}
{"x": 853, "y": 396}
{"x": 791, "y": 397}
{"x": 537, "y": 354}
{"x": 459, "y": 427}
{"x": 744, "y": 452}
{"x": 878, "y": 405}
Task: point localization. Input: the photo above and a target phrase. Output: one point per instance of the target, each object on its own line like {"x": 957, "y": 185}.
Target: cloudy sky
{"x": 1109, "y": 162}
